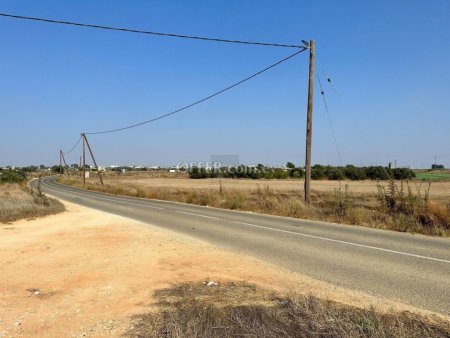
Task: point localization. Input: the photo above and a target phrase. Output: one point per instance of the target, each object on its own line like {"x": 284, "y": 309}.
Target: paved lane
{"x": 414, "y": 269}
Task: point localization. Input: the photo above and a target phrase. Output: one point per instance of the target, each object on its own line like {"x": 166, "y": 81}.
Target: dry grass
{"x": 439, "y": 190}
{"x": 243, "y": 310}
{"x": 18, "y": 201}
{"x": 340, "y": 205}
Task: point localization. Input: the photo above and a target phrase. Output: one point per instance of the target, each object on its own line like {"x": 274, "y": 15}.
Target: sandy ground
{"x": 438, "y": 189}
{"x": 94, "y": 270}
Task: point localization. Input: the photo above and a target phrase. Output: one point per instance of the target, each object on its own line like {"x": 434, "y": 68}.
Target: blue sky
{"x": 389, "y": 61}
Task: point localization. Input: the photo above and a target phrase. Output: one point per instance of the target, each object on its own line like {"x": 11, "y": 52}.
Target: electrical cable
{"x": 129, "y": 30}
{"x": 329, "y": 119}
{"x": 199, "y": 101}
{"x": 73, "y": 147}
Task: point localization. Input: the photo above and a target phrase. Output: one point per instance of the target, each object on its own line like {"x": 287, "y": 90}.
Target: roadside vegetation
{"x": 396, "y": 206}
{"x": 244, "y": 310}
{"x": 17, "y": 201}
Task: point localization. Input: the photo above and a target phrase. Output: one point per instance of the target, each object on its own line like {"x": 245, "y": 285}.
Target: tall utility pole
{"x": 93, "y": 158}
{"x": 84, "y": 159}
{"x": 309, "y": 124}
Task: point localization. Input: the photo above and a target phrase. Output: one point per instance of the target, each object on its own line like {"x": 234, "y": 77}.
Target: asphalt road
{"x": 413, "y": 269}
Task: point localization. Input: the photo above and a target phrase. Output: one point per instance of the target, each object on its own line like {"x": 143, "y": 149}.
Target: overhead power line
{"x": 201, "y": 100}
{"x": 73, "y": 147}
{"x": 329, "y": 119}
{"x": 129, "y": 30}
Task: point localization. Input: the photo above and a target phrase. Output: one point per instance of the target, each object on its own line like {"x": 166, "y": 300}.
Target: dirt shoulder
{"x": 85, "y": 272}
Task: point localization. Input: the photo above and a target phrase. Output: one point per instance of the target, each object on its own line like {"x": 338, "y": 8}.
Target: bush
{"x": 198, "y": 173}
{"x": 297, "y": 173}
{"x": 280, "y": 173}
{"x": 378, "y": 173}
{"x": 57, "y": 169}
{"x": 336, "y": 174}
{"x": 12, "y": 177}
{"x": 353, "y": 173}
{"x": 403, "y": 174}
{"x": 412, "y": 209}
{"x": 318, "y": 172}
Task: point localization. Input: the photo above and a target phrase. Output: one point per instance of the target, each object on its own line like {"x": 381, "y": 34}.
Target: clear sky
{"x": 389, "y": 61}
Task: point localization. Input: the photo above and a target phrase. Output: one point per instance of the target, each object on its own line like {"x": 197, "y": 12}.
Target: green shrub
{"x": 336, "y": 174}
{"x": 198, "y": 173}
{"x": 297, "y": 173}
{"x": 318, "y": 172}
{"x": 378, "y": 173}
{"x": 57, "y": 169}
{"x": 353, "y": 173}
{"x": 403, "y": 174}
{"x": 280, "y": 173}
{"x": 12, "y": 176}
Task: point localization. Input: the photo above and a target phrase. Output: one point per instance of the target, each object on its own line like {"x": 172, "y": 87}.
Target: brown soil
{"x": 85, "y": 273}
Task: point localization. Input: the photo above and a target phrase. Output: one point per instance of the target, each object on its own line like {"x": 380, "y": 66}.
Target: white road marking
{"x": 345, "y": 242}
{"x": 274, "y": 229}
{"x": 191, "y": 213}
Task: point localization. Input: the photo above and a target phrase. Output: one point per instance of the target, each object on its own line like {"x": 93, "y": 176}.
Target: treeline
{"x": 360, "y": 173}
{"x": 318, "y": 172}
{"x": 252, "y": 172}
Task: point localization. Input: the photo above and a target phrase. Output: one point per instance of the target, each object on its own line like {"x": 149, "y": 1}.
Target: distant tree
{"x": 437, "y": 166}
{"x": 403, "y": 173}
{"x": 290, "y": 165}
{"x": 335, "y": 174}
{"x": 280, "y": 173}
{"x": 318, "y": 172}
{"x": 196, "y": 172}
{"x": 57, "y": 169}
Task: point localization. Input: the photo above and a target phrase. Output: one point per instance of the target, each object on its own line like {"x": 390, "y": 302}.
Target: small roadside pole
{"x": 84, "y": 159}
{"x": 309, "y": 124}
{"x": 60, "y": 162}
{"x": 66, "y": 167}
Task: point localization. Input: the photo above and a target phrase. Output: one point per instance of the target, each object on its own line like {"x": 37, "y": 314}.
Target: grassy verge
{"x": 17, "y": 202}
{"x": 243, "y": 310}
{"x": 395, "y": 208}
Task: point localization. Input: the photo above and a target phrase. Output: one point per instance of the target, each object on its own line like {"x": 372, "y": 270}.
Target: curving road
{"x": 413, "y": 269}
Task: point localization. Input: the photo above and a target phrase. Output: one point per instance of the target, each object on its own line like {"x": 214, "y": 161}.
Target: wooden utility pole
{"x": 66, "y": 167}
{"x": 60, "y": 161}
{"x": 309, "y": 124}
{"x": 93, "y": 158}
{"x": 84, "y": 159}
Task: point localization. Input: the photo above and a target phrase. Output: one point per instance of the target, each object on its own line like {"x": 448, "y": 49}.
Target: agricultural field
{"x": 435, "y": 175}
{"x": 181, "y": 181}
{"x": 414, "y": 206}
